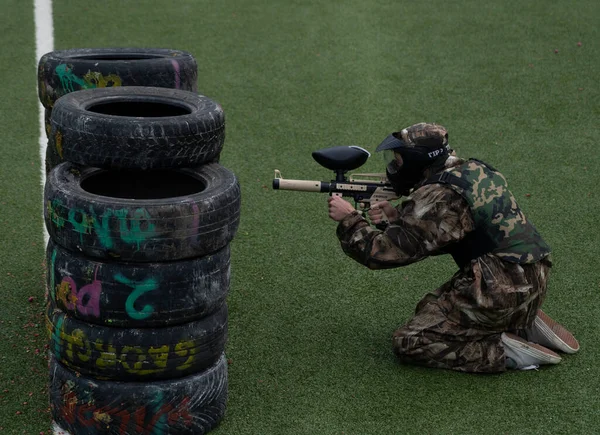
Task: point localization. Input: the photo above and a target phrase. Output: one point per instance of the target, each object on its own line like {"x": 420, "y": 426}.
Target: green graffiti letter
{"x": 79, "y": 227}
{"x": 133, "y": 233}
{"x": 139, "y": 288}
{"x": 57, "y": 335}
{"x": 68, "y": 79}
{"x": 102, "y": 227}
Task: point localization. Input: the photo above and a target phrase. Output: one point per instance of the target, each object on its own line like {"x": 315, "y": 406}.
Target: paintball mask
{"x": 410, "y": 152}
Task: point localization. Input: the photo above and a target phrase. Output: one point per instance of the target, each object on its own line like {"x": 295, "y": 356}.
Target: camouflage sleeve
{"x": 431, "y": 218}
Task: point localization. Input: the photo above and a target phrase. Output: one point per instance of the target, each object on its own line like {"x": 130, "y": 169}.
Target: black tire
{"x": 128, "y": 354}
{"x": 65, "y": 71}
{"x": 146, "y": 216}
{"x": 52, "y": 158}
{"x": 137, "y": 295}
{"x": 47, "y": 121}
{"x": 188, "y": 406}
{"x": 137, "y": 128}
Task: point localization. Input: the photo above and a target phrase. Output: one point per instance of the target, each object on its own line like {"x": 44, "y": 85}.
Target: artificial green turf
{"x": 309, "y": 339}
{"x": 23, "y": 370}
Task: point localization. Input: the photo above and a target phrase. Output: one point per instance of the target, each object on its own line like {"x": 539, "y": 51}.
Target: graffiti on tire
{"x": 134, "y": 226}
{"x": 92, "y": 79}
{"x": 124, "y": 354}
{"x": 193, "y": 404}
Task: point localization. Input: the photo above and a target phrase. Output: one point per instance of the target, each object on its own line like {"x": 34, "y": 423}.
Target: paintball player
{"x": 487, "y": 317}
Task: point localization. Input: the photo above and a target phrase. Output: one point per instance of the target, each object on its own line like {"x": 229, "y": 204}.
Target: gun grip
{"x": 385, "y": 220}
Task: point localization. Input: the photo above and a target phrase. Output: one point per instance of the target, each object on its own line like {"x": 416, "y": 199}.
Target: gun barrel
{"x": 302, "y": 185}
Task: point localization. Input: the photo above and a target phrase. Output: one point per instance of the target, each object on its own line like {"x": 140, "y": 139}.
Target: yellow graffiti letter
{"x": 185, "y": 348}
{"x": 159, "y": 355}
{"x": 137, "y": 366}
{"x": 79, "y": 339}
{"x": 108, "y": 356}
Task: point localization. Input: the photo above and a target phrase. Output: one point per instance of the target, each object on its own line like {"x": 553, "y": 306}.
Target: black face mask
{"x": 404, "y": 177}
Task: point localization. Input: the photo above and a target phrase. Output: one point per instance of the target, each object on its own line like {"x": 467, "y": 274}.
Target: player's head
{"x": 410, "y": 152}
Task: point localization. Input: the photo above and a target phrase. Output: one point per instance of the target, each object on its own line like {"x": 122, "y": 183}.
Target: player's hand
{"x": 339, "y": 208}
{"x": 382, "y": 210}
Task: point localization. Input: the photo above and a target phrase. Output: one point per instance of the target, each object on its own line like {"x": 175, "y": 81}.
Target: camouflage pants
{"x": 458, "y": 326}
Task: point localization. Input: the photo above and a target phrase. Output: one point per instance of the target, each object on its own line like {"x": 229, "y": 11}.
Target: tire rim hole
{"x": 155, "y": 184}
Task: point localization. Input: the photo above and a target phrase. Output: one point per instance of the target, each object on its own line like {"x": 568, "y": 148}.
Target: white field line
{"x": 44, "y": 43}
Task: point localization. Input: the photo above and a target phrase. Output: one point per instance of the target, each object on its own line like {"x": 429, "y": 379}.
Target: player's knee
{"x": 402, "y": 343}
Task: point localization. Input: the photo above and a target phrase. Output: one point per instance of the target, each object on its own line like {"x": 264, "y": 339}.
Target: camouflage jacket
{"x": 436, "y": 219}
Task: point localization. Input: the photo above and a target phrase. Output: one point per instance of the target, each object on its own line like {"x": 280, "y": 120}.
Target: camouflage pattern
{"x": 425, "y": 133}
{"x": 458, "y": 326}
{"x": 497, "y": 215}
{"x": 431, "y": 219}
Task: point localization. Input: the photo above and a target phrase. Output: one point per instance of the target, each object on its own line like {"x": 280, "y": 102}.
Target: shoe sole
{"x": 545, "y": 355}
{"x": 555, "y": 333}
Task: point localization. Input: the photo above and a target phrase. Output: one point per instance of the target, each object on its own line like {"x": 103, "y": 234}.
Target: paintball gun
{"x": 366, "y": 189}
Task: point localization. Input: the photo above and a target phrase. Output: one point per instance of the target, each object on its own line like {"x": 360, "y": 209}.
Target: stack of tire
{"x": 140, "y": 217}
{"x": 64, "y": 71}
